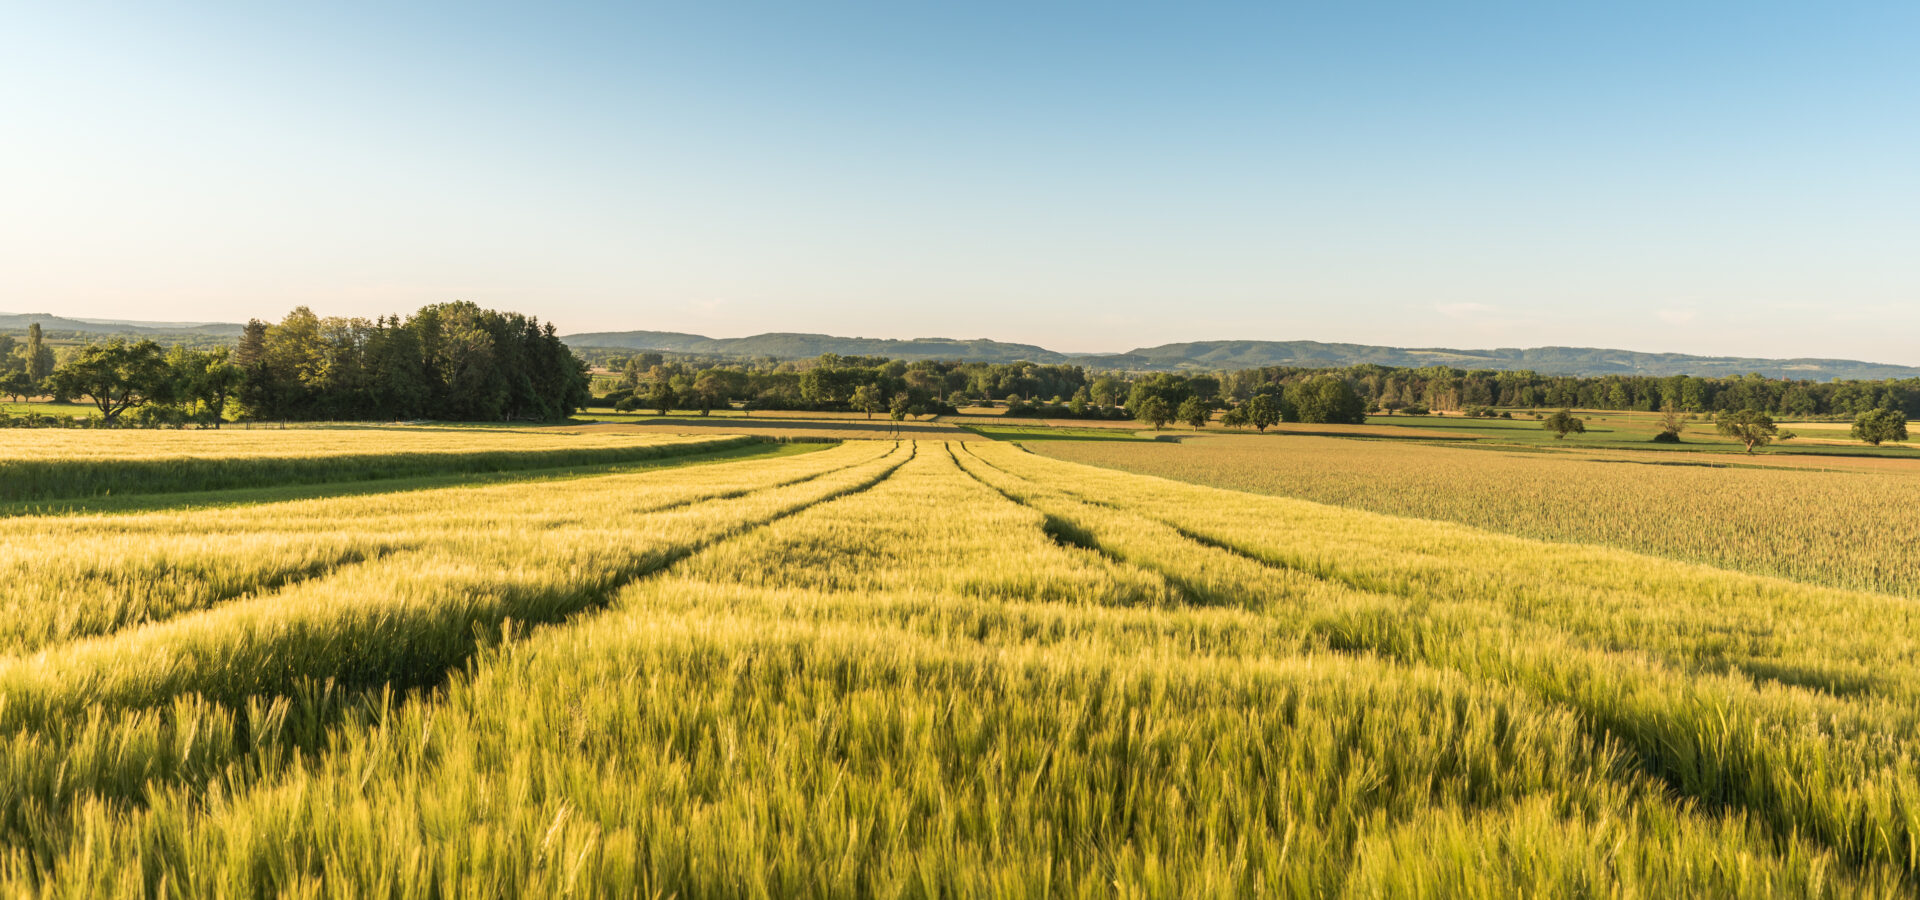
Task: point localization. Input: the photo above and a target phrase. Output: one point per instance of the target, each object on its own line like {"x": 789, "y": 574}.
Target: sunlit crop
{"x": 1810, "y": 520}
{"x": 933, "y": 669}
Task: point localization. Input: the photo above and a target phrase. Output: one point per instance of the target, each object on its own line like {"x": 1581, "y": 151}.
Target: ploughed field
{"x": 918, "y": 669}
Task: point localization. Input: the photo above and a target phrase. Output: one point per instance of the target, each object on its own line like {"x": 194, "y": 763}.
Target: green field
{"x": 959, "y": 668}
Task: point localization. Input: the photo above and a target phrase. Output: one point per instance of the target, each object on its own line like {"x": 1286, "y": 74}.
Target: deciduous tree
{"x": 1876, "y": 426}
{"x": 1748, "y": 426}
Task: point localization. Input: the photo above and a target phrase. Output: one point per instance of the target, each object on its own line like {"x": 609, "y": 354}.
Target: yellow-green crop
{"x": 947, "y": 670}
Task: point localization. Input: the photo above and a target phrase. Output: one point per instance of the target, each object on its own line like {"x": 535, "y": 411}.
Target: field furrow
{"x": 47, "y": 465}
{"x": 890, "y": 694}
{"x": 178, "y": 701}
{"x": 1838, "y": 766}
{"x": 936, "y": 670}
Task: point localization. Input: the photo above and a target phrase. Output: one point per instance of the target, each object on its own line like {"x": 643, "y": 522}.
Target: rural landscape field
{"x": 748, "y": 450}
{"x": 686, "y": 666}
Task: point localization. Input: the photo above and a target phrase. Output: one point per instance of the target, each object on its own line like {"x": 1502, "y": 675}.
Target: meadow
{"x": 932, "y": 669}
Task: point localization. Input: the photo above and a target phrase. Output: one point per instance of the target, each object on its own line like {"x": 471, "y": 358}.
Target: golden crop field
{"x": 928, "y": 669}
{"x": 1845, "y": 523}
{"x": 46, "y": 464}
{"x": 235, "y": 442}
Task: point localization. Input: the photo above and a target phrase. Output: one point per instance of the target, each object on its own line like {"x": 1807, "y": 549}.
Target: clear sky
{"x": 1734, "y": 178}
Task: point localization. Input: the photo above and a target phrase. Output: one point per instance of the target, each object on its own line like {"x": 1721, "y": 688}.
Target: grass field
{"x": 935, "y": 668}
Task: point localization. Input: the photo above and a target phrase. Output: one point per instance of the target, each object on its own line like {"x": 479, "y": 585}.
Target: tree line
{"x": 830, "y": 382}
{"x": 452, "y": 361}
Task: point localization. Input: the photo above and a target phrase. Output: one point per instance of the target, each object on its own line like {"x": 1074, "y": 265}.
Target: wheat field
{"x": 929, "y": 669}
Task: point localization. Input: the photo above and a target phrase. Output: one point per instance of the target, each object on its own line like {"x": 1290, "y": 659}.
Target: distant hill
{"x": 1219, "y": 355}
{"x": 806, "y": 346}
{"x": 11, "y": 322}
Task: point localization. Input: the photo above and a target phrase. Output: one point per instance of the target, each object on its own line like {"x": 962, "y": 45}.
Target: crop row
{"x": 1837, "y": 528}
{"x": 180, "y": 698}
{"x": 975, "y": 671}
{"x": 49, "y": 473}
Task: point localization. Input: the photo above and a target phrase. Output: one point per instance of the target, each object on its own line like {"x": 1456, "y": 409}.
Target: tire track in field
{"x": 256, "y": 734}
{"x": 1665, "y": 747}
{"x": 280, "y": 582}
{"x": 93, "y": 623}
{"x": 1070, "y": 535}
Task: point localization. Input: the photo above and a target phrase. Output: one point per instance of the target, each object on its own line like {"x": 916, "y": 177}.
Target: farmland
{"x": 1843, "y": 523}
{"x": 55, "y": 464}
{"x": 961, "y": 668}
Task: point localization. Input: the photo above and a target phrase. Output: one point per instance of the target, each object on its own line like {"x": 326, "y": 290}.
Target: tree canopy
{"x": 1748, "y": 426}
{"x": 1877, "y": 426}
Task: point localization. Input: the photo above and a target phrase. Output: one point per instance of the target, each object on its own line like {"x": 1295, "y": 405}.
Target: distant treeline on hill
{"x": 832, "y": 382}
{"x": 453, "y": 361}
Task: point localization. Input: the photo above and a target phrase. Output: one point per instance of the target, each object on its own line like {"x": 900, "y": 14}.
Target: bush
{"x": 1415, "y": 409}
{"x": 1666, "y": 437}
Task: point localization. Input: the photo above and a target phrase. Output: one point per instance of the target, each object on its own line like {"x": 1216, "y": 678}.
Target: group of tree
{"x": 452, "y": 361}
{"x": 1391, "y": 389}
{"x": 25, "y": 366}
{"x": 873, "y": 385}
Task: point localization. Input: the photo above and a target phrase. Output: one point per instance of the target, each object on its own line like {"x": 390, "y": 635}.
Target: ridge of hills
{"x": 1243, "y": 354}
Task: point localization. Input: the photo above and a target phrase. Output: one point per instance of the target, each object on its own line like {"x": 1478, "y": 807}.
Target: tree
{"x": 901, "y": 407}
{"x": 1748, "y": 426}
{"x": 1564, "y": 423}
{"x": 1194, "y": 412}
{"x": 1327, "y": 400}
{"x": 1154, "y": 411}
{"x": 1877, "y": 425}
{"x": 1672, "y": 422}
{"x": 115, "y": 376}
{"x": 1078, "y": 405}
{"x": 207, "y": 378}
{"x": 868, "y": 398}
{"x": 660, "y": 397}
{"x": 18, "y": 385}
{"x": 1235, "y": 417}
{"x": 1263, "y": 411}
{"x": 39, "y": 355}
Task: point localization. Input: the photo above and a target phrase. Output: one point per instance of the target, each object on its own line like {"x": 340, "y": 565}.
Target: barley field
{"x": 46, "y": 464}
{"x": 929, "y": 669}
{"x": 1844, "y": 522}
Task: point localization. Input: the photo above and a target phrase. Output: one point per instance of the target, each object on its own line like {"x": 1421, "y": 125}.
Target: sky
{"x": 1720, "y": 178}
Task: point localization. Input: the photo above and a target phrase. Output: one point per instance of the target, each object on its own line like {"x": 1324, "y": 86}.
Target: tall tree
{"x": 1195, "y": 412}
{"x": 868, "y": 398}
{"x": 1263, "y": 411}
{"x": 39, "y": 355}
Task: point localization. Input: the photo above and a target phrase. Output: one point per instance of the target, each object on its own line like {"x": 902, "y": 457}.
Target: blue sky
{"x": 1734, "y": 178}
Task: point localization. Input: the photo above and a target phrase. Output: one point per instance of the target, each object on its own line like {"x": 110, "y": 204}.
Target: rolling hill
{"x": 1217, "y": 355}
{"x": 10, "y": 322}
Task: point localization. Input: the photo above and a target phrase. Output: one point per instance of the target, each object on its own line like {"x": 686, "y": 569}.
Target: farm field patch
{"x": 47, "y": 464}
{"x": 1837, "y": 528}
{"x": 903, "y": 669}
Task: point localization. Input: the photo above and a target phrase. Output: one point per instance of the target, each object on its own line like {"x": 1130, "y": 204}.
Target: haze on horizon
{"x": 1727, "y": 179}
